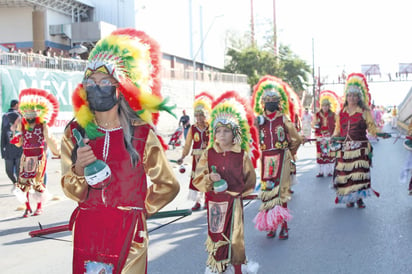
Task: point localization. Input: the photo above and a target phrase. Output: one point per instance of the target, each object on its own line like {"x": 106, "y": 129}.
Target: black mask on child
{"x": 272, "y": 106}
{"x": 101, "y": 98}
{"x": 31, "y": 121}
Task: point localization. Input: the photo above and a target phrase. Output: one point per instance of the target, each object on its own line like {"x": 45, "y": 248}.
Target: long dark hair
{"x": 361, "y": 104}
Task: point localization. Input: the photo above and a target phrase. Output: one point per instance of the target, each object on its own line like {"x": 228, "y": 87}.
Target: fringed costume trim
{"x": 250, "y": 268}
{"x": 352, "y": 154}
{"x": 277, "y": 196}
{"x": 355, "y": 176}
{"x": 211, "y": 248}
{"x": 350, "y": 189}
{"x": 352, "y": 165}
{"x": 355, "y": 196}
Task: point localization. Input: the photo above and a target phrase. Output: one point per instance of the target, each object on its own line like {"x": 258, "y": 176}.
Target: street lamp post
{"x": 198, "y": 51}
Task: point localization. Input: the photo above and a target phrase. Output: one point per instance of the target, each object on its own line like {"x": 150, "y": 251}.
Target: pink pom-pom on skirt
{"x": 270, "y": 220}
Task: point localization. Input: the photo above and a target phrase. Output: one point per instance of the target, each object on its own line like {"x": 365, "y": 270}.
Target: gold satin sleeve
{"x": 50, "y": 140}
{"x": 74, "y": 187}
{"x": 315, "y": 120}
{"x": 164, "y": 186}
{"x": 295, "y": 138}
{"x": 201, "y": 179}
{"x": 336, "y": 132}
{"x": 372, "y": 129}
{"x": 19, "y": 129}
{"x": 188, "y": 143}
{"x": 249, "y": 175}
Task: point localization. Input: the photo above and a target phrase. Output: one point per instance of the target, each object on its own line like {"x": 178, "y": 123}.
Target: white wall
{"x": 16, "y": 25}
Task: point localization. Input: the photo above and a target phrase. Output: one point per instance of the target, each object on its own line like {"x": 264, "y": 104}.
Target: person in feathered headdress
{"x": 352, "y": 180}
{"x": 324, "y": 125}
{"x": 227, "y": 159}
{"x": 279, "y": 141}
{"x": 39, "y": 110}
{"x": 197, "y": 140}
{"x": 115, "y": 108}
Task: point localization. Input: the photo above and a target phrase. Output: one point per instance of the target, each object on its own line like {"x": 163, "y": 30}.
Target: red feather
{"x": 155, "y": 55}
{"x": 76, "y": 99}
{"x": 204, "y": 94}
{"x": 254, "y": 146}
{"x": 40, "y": 93}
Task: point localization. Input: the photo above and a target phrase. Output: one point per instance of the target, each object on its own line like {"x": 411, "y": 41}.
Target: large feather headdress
{"x": 203, "y": 103}
{"x": 39, "y": 104}
{"x": 328, "y": 96}
{"x": 133, "y": 59}
{"x": 231, "y": 108}
{"x": 271, "y": 86}
{"x": 356, "y": 82}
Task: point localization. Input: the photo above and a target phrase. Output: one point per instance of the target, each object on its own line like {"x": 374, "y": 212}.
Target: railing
{"x": 204, "y": 76}
{"x": 70, "y": 64}
{"x": 41, "y": 61}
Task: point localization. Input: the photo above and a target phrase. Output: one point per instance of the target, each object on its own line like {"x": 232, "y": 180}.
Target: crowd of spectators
{"x": 47, "y": 58}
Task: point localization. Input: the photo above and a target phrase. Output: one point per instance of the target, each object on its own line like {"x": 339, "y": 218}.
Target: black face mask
{"x": 272, "y": 106}
{"x": 31, "y": 121}
{"x": 101, "y": 98}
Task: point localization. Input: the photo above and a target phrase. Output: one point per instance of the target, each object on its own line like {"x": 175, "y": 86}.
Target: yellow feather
{"x": 84, "y": 116}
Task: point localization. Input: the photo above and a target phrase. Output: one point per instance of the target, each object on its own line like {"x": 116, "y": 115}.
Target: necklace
{"x": 107, "y": 124}
{"x": 106, "y": 145}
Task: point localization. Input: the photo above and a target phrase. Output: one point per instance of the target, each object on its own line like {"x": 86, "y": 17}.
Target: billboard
{"x": 405, "y": 68}
{"x": 372, "y": 69}
{"x": 60, "y": 84}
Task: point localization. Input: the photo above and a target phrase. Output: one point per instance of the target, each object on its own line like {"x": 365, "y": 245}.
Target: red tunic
{"x": 220, "y": 207}
{"x": 110, "y": 242}
{"x": 200, "y": 139}
{"x": 274, "y": 141}
{"x": 325, "y": 128}
{"x": 33, "y": 141}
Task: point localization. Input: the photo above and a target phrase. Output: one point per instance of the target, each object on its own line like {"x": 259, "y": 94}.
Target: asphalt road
{"x": 323, "y": 237}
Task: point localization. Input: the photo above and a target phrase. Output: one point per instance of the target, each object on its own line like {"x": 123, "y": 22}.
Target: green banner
{"x": 61, "y": 84}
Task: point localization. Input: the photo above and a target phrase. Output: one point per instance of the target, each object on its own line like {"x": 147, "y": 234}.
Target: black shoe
{"x": 350, "y": 204}
{"x": 360, "y": 203}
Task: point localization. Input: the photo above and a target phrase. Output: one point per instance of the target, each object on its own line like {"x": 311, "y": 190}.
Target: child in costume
{"x": 352, "y": 180}
{"x": 227, "y": 159}
{"x": 39, "y": 109}
{"x": 324, "y": 125}
{"x": 115, "y": 108}
{"x": 197, "y": 139}
{"x": 279, "y": 141}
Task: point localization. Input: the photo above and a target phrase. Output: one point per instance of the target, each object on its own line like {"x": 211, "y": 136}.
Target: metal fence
{"x": 70, "y": 64}
{"x": 41, "y": 61}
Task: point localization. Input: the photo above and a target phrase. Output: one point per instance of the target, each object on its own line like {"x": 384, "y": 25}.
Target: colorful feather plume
{"x": 269, "y": 82}
{"x": 202, "y": 103}
{"x": 333, "y": 99}
{"x": 231, "y": 107}
{"x": 133, "y": 59}
{"x": 39, "y": 104}
{"x": 356, "y": 82}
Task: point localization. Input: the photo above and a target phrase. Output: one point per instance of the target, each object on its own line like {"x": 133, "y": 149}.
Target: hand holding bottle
{"x": 95, "y": 171}
{"x": 219, "y": 184}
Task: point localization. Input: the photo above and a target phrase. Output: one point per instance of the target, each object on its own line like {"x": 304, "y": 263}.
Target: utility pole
{"x": 313, "y": 75}
{"x": 252, "y": 24}
{"x": 275, "y": 38}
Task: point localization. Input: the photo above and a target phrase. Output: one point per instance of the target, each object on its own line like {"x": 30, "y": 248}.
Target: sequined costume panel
{"x": 324, "y": 127}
